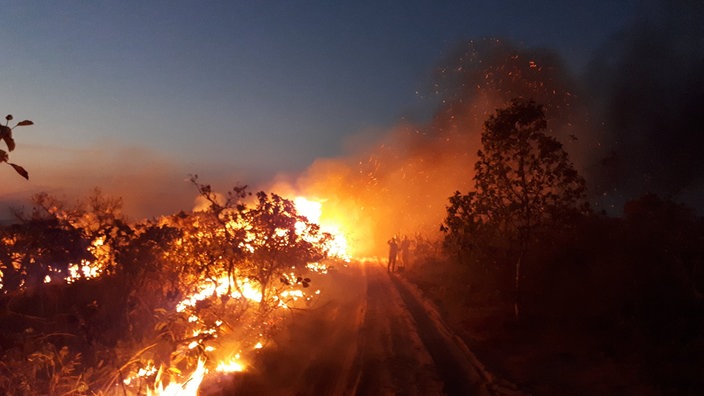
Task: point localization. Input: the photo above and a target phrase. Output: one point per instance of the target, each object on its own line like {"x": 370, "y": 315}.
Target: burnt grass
{"x": 613, "y": 307}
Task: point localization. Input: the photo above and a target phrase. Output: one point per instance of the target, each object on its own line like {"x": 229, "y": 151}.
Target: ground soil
{"x": 369, "y": 335}
{"x": 535, "y": 356}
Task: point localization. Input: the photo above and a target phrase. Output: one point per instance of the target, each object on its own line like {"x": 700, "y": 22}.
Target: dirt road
{"x": 369, "y": 335}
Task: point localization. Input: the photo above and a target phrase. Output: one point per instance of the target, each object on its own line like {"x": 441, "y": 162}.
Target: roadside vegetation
{"x": 556, "y": 298}
{"x": 550, "y": 295}
{"x": 91, "y": 303}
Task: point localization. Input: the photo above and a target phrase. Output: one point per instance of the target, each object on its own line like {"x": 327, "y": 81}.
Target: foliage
{"x": 279, "y": 240}
{"x": 262, "y": 241}
{"x": 523, "y": 176}
{"x": 55, "y": 241}
{"x": 524, "y": 182}
{"x": 605, "y": 302}
{"x": 79, "y": 278}
{"x": 43, "y": 250}
{"x": 461, "y": 224}
{"x": 6, "y": 136}
{"x": 46, "y": 370}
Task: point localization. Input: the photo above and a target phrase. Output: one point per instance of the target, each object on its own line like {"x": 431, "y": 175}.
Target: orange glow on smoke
{"x": 313, "y": 211}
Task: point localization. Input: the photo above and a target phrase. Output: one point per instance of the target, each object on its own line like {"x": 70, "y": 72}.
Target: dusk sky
{"x": 133, "y": 96}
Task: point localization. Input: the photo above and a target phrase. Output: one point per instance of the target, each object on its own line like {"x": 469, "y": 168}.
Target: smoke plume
{"x": 629, "y": 125}
{"x": 646, "y": 86}
{"x": 400, "y": 184}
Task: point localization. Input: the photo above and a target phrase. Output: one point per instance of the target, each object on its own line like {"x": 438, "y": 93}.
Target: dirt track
{"x": 369, "y": 335}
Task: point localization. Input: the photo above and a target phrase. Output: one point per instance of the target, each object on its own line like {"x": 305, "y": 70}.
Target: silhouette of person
{"x": 393, "y": 251}
{"x": 405, "y": 246}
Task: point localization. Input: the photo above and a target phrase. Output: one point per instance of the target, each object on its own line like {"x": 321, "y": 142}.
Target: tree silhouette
{"x": 6, "y": 135}
{"x": 523, "y": 176}
{"x": 523, "y": 180}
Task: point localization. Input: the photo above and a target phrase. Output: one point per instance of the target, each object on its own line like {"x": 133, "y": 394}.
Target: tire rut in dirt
{"x": 456, "y": 372}
{"x": 392, "y": 356}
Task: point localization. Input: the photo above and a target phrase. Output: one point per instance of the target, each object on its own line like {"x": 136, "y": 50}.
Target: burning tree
{"x": 261, "y": 241}
{"x": 523, "y": 181}
{"x": 57, "y": 242}
{"x": 280, "y": 240}
{"x": 231, "y": 265}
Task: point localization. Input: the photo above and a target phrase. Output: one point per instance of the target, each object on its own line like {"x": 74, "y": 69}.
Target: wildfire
{"x": 188, "y": 387}
{"x": 245, "y": 288}
{"x": 313, "y": 211}
{"x": 232, "y": 365}
{"x": 242, "y": 289}
{"x": 210, "y": 341}
{"x": 85, "y": 269}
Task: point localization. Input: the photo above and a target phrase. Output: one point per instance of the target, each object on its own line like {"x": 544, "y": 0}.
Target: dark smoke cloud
{"x": 647, "y": 87}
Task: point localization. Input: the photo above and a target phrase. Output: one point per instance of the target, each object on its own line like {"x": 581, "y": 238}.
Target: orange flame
{"x": 227, "y": 360}
{"x": 313, "y": 211}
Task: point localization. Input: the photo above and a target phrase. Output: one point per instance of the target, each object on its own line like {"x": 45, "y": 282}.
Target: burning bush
{"x": 154, "y": 304}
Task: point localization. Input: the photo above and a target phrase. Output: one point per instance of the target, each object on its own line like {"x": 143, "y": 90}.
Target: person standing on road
{"x": 393, "y": 252}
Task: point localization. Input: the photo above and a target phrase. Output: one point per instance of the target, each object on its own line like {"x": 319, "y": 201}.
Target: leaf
{"x": 3, "y": 156}
{"x": 25, "y": 123}
{"x": 20, "y": 170}
{"x": 6, "y": 135}
{"x": 9, "y": 141}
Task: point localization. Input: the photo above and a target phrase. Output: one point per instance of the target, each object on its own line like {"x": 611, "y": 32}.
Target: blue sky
{"x": 132, "y": 96}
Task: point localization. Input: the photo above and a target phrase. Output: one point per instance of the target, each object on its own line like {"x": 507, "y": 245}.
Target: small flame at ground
{"x": 188, "y": 387}
{"x": 232, "y": 365}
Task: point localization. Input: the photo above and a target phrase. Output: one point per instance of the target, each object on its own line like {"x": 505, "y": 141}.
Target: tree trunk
{"x": 517, "y": 284}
